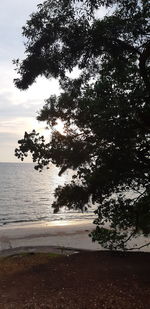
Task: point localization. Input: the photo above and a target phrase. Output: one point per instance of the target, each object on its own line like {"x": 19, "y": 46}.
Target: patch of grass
{"x": 24, "y": 261}
{"x": 36, "y": 254}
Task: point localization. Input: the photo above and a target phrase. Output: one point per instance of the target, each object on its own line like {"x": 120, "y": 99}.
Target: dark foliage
{"x": 105, "y": 110}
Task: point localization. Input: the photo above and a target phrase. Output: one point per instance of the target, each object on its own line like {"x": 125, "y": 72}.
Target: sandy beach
{"x": 67, "y": 234}
{"x": 57, "y": 234}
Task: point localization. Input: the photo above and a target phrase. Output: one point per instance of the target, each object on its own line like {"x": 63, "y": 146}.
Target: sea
{"x": 26, "y": 195}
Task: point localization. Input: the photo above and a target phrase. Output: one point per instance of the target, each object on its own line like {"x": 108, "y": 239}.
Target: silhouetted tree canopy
{"x": 105, "y": 110}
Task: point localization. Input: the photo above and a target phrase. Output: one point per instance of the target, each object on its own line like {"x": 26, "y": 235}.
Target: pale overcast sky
{"x": 17, "y": 108}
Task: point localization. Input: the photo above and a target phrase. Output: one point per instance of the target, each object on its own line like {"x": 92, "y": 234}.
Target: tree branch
{"x": 142, "y": 65}
{"x": 142, "y": 60}
{"x": 127, "y": 46}
{"x": 137, "y": 248}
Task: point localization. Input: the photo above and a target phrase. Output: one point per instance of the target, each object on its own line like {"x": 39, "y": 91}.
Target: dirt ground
{"x": 85, "y": 280}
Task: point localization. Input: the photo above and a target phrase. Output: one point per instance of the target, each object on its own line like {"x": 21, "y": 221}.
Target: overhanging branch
{"x": 145, "y": 55}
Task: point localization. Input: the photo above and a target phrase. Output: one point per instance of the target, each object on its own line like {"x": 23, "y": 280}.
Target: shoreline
{"x": 66, "y": 234}
{"x": 72, "y": 235}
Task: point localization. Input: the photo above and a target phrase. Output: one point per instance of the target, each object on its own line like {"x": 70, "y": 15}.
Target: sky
{"x": 18, "y": 109}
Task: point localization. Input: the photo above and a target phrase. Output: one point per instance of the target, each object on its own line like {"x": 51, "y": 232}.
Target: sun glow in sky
{"x": 60, "y": 127}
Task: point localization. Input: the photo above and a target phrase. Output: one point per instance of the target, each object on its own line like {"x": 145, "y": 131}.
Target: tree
{"x": 105, "y": 110}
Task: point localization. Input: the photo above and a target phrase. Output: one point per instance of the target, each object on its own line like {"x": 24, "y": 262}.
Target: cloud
{"x": 20, "y": 124}
{"x": 8, "y": 143}
{"x": 4, "y": 137}
{"x": 8, "y": 109}
{"x": 12, "y": 129}
{"x": 15, "y": 103}
{"x": 18, "y": 109}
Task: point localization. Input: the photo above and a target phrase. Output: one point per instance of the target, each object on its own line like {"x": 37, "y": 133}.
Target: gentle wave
{"x": 27, "y": 195}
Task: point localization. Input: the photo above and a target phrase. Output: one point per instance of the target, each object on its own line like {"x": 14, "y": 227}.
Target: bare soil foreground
{"x": 85, "y": 280}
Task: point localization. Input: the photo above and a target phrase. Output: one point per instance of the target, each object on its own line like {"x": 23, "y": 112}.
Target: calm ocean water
{"x": 27, "y": 195}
